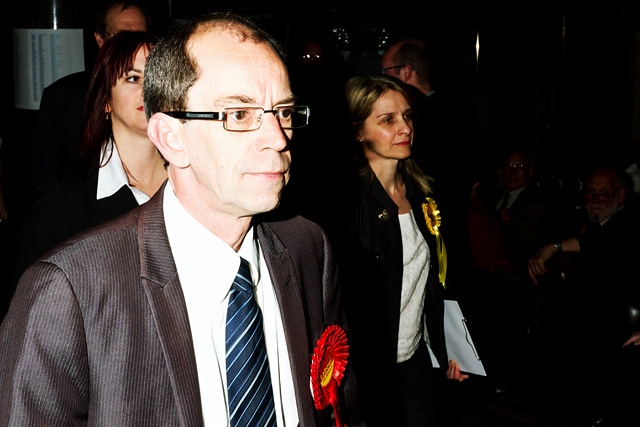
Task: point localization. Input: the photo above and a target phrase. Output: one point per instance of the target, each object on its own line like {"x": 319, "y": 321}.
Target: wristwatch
{"x": 558, "y": 246}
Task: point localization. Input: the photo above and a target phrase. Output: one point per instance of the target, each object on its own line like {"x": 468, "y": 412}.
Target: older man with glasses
{"x": 593, "y": 277}
{"x": 605, "y": 195}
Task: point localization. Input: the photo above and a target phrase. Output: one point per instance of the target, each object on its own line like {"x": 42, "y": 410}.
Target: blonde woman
{"x": 394, "y": 295}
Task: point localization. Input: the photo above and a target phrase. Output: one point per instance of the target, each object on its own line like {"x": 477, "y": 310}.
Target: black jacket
{"x": 372, "y": 265}
{"x": 64, "y": 204}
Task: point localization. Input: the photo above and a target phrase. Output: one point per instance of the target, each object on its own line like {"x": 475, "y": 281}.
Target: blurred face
{"x": 240, "y": 173}
{"x": 602, "y": 196}
{"x": 388, "y": 131}
{"x": 312, "y": 53}
{"x": 131, "y": 19}
{"x": 387, "y": 64}
{"x": 516, "y": 172}
{"x": 126, "y": 106}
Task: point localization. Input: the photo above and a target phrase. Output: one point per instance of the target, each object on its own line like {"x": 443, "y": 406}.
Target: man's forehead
{"x": 388, "y": 54}
{"x": 517, "y": 157}
{"x": 230, "y": 67}
{"x": 223, "y": 45}
{"x": 131, "y": 18}
{"x": 601, "y": 180}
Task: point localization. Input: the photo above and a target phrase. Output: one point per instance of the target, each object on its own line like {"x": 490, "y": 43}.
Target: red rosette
{"x": 328, "y": 363}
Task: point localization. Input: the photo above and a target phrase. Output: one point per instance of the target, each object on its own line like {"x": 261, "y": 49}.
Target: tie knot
{"x": 243, "y": 282}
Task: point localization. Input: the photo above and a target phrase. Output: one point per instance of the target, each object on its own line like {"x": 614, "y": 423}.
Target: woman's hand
{"x": 453, "y": 372}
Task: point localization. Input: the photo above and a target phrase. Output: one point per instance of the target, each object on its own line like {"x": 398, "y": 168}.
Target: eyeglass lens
{"x": 245, "y": 119}
{"x": 600, "y": 197}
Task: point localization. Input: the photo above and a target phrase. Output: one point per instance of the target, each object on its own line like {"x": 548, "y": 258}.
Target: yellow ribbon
{"x": 432, "y": 218}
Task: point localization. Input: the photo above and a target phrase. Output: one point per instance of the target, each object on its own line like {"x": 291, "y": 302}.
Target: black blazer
{"x": 372, "y": 260}
{"x": 63, "y": 205}
{"x": 98, "y": 331}
{"x": 532, "y": 223}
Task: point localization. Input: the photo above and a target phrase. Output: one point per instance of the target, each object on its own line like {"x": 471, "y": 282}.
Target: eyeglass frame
{"x": 520, "y": 167}
{"x": 222, "y": 116}
{"x": 590, "y": 196}
{"x": 385, "y": 69}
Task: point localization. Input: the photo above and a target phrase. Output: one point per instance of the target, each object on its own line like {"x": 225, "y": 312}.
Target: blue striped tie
{"x": 248, "y": 378}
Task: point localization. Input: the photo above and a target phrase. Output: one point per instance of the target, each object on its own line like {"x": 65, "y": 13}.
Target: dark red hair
{"x": 115, "y": 58}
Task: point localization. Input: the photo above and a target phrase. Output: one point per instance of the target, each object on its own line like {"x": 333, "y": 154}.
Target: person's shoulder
{"x": 289, "y": 222}
{"x": 101, "y": 239}
{"x": 292, "y": 231}
{"x": 79, "y": 80}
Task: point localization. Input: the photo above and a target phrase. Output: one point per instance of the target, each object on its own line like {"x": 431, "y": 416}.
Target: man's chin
{"x": 265, "y": 202}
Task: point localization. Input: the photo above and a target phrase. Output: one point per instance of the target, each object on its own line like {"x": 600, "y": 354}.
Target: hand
{"x": 633, "y": 339}
{"x": 453, "y": 372}
{"x": 537, "y": 261}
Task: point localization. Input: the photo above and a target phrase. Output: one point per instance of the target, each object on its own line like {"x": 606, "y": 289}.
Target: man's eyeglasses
{"x": 384, "y": 70}
{"x": 520, "y": 167}
{"x": 244, "y": 119}
{"x": 599, "y": 197}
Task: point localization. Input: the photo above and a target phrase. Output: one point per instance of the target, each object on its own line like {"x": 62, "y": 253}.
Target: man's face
{"x": 387, "y": 64}
{"x": 602, "y": 197}
{"x": 239, "y": 173}
{"x": 117, "y": 19}
{"x": 516, "y": 171}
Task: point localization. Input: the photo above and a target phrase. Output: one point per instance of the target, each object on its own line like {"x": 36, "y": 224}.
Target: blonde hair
{"x": 361, "y": 93}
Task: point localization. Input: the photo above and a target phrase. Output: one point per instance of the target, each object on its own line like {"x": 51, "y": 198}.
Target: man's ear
{"x": 622, "y": 195}
{"x": 406, "y": 73}
{"x": 99, "y": 39}
{"x": 166, "y": 134}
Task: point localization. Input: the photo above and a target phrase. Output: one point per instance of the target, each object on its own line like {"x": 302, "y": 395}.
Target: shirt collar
{"x": 111, "y": 176}
{"x": 198, "y": 252}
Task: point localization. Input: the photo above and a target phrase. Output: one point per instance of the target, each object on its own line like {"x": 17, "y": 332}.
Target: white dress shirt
{"x": 207, "y": 267}
{"x": 513, "y": 195}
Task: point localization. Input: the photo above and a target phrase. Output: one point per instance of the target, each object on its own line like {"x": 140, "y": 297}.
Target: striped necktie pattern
{"x": 249, "y": 388}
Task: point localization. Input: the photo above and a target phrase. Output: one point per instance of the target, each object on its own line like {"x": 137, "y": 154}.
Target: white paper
{"x": 460, "y": 346}
{"x": 40, "y": 57}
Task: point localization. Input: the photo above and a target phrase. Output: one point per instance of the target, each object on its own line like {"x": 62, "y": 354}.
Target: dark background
{"x": 543, "y": 65}
{"x": 561, "y": 76}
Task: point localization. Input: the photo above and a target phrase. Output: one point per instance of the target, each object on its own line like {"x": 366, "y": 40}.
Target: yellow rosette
{"x": 432, "y": 218}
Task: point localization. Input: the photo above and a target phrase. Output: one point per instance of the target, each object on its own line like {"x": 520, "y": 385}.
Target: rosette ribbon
{"x": 432, "y": 218}
{"x": 328, "y": 363}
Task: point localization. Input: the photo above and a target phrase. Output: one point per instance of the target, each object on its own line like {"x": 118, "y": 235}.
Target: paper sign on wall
{"x": 42, "y": 56}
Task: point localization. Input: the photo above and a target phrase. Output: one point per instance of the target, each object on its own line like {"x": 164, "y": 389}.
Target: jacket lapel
{"x": 286, "y": 282}
{"x": 166, "y": 300}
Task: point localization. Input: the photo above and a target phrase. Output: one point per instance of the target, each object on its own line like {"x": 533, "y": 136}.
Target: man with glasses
{"x": 608, "y": 220}
{"x": 62, "y": 102}
{"x": 133, "y": 323}
{"x": 526, "y": 217}
{"x": 593, "y": 277}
